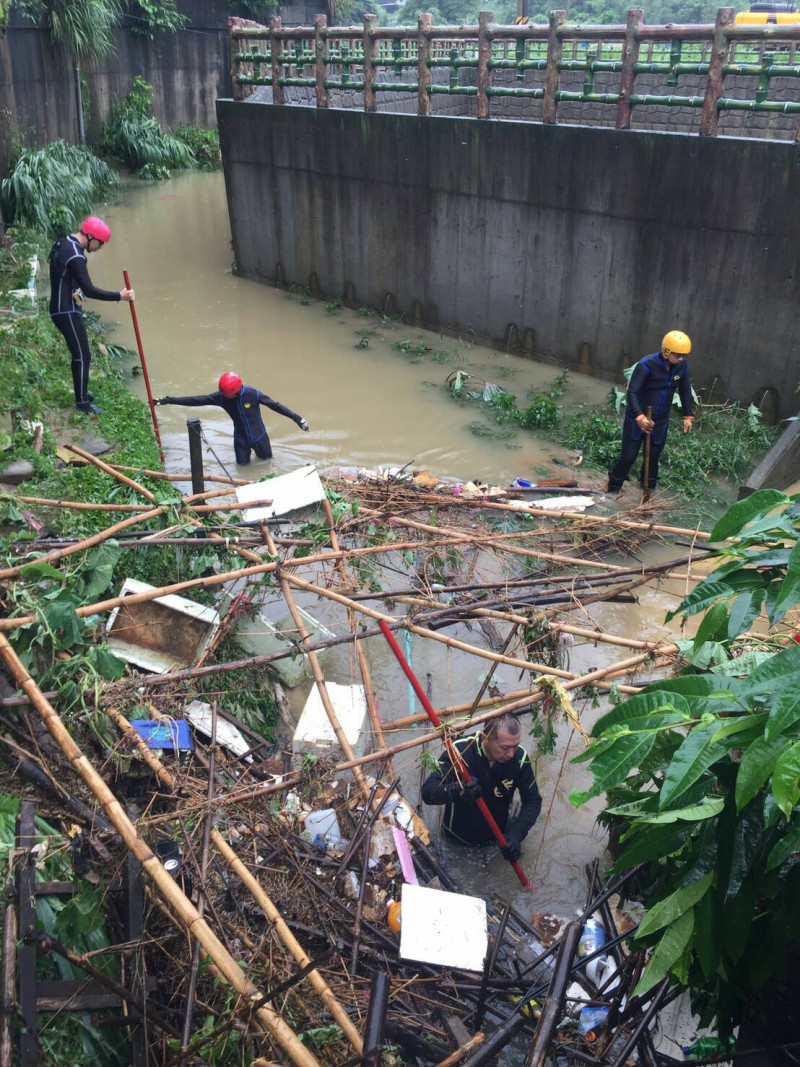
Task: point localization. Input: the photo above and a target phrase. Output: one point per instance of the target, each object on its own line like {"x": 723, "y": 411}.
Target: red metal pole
{"x": 452, "y": 751}
{"x": 144, "y": 367}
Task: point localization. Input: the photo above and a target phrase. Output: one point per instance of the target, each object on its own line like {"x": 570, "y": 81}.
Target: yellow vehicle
{"x": 768, "y": 14}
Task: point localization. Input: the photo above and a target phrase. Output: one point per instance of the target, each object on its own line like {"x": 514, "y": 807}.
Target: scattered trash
{"x": 448, "y": 929}
{"x": 169, "y": 734}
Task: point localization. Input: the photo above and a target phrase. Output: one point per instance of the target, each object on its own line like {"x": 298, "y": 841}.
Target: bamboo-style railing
{"x": 360, "y": 58}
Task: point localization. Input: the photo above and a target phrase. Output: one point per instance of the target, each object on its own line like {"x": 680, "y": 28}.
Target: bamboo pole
{"x": 316, "y": 669}
{"x": 89, "y": 542}
{"x": 535, "y": 553}
{"x": 166, "y": 885}
{"x": 287, "y": 937}
{"x": 591, "y": 520}
{"x": 146, "y": 493}
{"x": 369, "y": 693}
{"x": 451, "y": 642}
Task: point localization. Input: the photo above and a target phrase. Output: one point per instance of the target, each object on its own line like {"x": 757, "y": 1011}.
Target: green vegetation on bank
{"x": 702, "y": 778}
{"x": 724, "y": 443}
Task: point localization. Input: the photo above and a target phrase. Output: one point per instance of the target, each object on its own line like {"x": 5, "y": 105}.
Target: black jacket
{"x": 653, "y": 384}
{"x": 464, "y": 821}
{"x": 248, "y": 426}
{"x": 69, "y": 278}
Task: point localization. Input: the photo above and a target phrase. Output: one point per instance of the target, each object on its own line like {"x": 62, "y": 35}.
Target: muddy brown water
{"x": 365, "y": 407}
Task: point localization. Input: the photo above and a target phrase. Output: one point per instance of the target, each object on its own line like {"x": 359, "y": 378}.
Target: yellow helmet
{"x": 676, "y": 343}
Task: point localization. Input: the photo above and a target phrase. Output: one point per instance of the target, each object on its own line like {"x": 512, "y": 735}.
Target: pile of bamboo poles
{"x": 269, "y": 913}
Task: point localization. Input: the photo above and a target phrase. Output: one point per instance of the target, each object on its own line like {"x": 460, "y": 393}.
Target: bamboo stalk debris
{"x": 261, "y": 884}
{"x": 182, "y": 906}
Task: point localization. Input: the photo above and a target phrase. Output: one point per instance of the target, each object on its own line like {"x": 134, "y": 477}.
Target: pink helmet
{"x": 94, "y": 227}
{"x": 230, "y": 384}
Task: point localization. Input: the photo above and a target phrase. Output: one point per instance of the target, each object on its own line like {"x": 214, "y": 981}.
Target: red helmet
{"x": 230, "y": 384}
{"x": 94, "y": 227}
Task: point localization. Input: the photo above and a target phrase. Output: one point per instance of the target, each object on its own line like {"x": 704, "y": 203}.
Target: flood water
{"x": 365, "y": 407}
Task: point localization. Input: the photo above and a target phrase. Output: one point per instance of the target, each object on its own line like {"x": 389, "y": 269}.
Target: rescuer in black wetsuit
{"x": 241, "y": 402}
{"x": 653, "y": 384}
{"x": 498, "y": 766}
{"x": 70, "y": 284}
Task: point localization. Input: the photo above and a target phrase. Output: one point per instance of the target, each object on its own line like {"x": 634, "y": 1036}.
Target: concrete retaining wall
{"x": 582, "y": 245}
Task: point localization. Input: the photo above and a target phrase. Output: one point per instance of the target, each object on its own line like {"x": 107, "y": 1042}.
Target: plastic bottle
{"x": 592, "y": 938}
{"x": 592, "y": 1019}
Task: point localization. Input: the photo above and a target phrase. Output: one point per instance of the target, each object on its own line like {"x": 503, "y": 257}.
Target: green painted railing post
{"x": 320, "y": 59}
{"x": 276, "y": 53}
{"x": 627, "y": 77}
{"x": 485, "y": 22}
{"x": 762, "y": 90}
{"x": 709, "y": 120}
{"x": 370, "y": 48}
{"x": 236, "y": 45}
{"x": 554, "y": 50}
{"x": 424, "y": 101}
{"x": 674, "y": 60}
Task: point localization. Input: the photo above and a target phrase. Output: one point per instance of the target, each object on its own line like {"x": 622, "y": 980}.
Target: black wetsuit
{"x": 249, "y": 431}
{"x": 463, "y": 821}
{"x": 653, "y": 384}
{"x": 69, "y": 284}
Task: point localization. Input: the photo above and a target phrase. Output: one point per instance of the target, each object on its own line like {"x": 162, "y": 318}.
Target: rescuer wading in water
{"x": 70, "y": 284}
{"x": 241, "y": 402}
{"x": 653, "y": 384}
{"x": 498, "y": 766}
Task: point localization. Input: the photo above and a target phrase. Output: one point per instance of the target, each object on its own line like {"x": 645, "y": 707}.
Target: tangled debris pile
{"x": 246, "y": 880}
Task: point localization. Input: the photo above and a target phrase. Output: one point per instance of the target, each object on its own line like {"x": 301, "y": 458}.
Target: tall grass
{"x": 50, "y": 188}
{"x": 135, "y": 137}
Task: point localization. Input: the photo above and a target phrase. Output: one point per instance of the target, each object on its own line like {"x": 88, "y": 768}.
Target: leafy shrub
{"x": 543, "y": 413}
{"x": 156, "y": 16}
{"x": 51, "y": 188}
{"x": 135, "y": 137}
{"x": 203, "y": 144}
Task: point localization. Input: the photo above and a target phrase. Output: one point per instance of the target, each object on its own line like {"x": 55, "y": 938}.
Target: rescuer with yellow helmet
{"x": 653, "y": 384}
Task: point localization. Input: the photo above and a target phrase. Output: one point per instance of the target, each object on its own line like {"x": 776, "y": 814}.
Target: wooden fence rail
{"x": 375, "y": 60}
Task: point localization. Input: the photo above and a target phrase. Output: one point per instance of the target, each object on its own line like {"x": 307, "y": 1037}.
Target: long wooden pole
{"x": 287, "y": 937}
{"x": 182, "y": 907}
{"x": 146, "y": 493}
{"x": 144, "y": 367}
{"x": 456, "y": 761}
{"x": 316, "y": 669}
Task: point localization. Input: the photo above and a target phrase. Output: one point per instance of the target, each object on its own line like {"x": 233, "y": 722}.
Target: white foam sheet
{"x": 314, "y": 730}
{"x": 288, "y": 492}
{"x": 448, "y": 929}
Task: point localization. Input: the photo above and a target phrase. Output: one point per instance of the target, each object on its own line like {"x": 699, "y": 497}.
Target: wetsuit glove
{"x": 468, "y": 792}
{"x": 303, "y": 424}
{"x": 512, "y": 848}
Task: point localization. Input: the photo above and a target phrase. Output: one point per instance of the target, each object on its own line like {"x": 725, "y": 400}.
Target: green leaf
{"x": 612, "y": 766}
{"x": 706, "y": 809}
{"x": 672, "y": 907}
{"x": 743, "y": 511}
{"x": 774, "y": 674}
{"x": 42, "y": 570}
{"x": 731, "y": 727}
{"x": 702, "y": 596}
{"x": 656, "y": 843}
{"x": 741, "y": 666}
{"x": 756, "y": 767}
{"x": 642, "y": 704}
{"x": 784, "y": 713}
{"x": 788, "y": 596}
{"x": 95, "y": 576}
{"x": 784, "y": 849}
{"x": 747, "y": 835}
{"x": 786, "y": 779}
{"x": 668, "y": 951}
{"x": 106, "y": 663}
{"x": 714, "y": 626}
{"x": 697, "y": 753}
{"x": 61, "y": 619}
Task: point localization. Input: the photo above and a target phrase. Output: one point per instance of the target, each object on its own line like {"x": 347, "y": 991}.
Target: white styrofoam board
{"x": 150, "y": 659}
{"x": 448, "y": 929}
{"x": 288, "y": 492}
{"x": 200, "y": 715}
{"x": 314, "y": 730}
